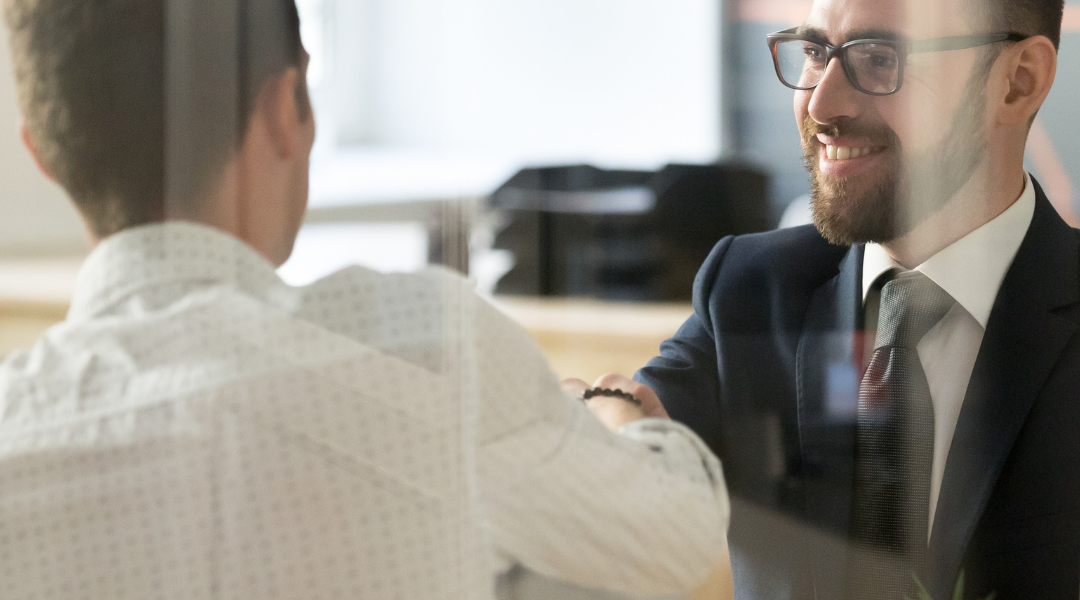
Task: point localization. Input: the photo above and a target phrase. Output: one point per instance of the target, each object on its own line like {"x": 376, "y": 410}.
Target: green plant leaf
{"x": 922, "y": 593}
{"x": 958, "y": 591}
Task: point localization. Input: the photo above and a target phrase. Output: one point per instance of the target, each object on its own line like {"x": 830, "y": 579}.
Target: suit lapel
{"x": 827, "y": 382}
{"x": 1023, "y": 340}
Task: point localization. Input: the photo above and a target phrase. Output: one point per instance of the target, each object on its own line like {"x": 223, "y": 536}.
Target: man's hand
{"x": 615, "y": 412}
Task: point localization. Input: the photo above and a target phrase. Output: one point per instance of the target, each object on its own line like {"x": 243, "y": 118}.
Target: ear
{"x": 1028, "y": 72}
{"x": 277, "y": 107}
{"x": 28, "y": 142}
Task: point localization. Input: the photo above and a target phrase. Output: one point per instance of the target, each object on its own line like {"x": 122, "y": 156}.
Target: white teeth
{"x": 844, "y": 152}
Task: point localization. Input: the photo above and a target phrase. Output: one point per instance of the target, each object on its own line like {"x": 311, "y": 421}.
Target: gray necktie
{"x": 894, "y": 449}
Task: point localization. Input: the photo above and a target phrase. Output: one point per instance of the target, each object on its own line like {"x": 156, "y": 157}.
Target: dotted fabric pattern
{"x": 895, "y": 443}
{"x": 197, "y": 429}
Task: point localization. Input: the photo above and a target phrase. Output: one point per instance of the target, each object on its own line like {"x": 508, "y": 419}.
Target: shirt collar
{"x": 972, "y": 268}
{"x": 163, "y": 253}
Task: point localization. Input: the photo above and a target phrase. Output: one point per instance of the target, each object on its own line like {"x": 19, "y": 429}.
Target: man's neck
{"x": 987, "y": 194}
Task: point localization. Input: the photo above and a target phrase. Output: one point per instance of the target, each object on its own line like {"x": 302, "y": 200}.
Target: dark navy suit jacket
{"x": 766, "y": 372}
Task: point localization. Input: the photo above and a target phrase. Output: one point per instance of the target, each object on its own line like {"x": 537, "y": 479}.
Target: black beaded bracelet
{"x": 593, "y": 392}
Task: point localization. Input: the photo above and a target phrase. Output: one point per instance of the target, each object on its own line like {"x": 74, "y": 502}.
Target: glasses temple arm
{"x": 961, "y": 42}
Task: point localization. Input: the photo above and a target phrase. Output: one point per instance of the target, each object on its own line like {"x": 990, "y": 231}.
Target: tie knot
{"x": 911, "y": 304}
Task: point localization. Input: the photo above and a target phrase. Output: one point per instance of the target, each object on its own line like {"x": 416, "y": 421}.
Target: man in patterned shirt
{"x": 198, "y": 429}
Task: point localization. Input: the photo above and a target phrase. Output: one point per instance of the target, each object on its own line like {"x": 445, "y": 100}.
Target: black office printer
{"x": 624, "y": 235}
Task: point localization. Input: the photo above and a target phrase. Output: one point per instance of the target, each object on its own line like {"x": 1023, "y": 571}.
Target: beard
{"x": 849, "y": 210}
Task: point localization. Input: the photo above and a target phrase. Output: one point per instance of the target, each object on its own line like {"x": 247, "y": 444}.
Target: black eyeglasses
{"x": 874, "y": 67}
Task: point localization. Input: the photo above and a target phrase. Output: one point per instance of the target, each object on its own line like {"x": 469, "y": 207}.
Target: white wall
{"x": 610, "y": 81}
{"x": 35, "y": 216}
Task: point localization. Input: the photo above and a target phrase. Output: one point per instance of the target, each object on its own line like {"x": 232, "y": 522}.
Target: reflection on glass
{"x": 271, "y": 378}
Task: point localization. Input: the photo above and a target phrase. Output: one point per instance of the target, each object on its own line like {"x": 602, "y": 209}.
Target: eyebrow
{"x": 817, "y": 33}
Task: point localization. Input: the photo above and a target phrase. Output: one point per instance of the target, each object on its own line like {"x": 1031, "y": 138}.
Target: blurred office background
{"x": 567, "y": 153}
{"x": 577, "y": 158}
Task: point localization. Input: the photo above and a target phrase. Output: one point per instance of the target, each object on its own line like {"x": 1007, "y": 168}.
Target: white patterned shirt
{"x": 198, "y": 429}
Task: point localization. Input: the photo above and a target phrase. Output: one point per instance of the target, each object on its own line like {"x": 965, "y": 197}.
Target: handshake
{"x": 616, "y": 400}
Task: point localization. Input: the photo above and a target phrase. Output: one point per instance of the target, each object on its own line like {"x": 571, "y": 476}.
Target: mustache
{"x": 880, "y": 135}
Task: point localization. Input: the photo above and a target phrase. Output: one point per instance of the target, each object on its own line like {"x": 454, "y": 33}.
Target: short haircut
{"x": 97, "y": 87}
{"x": 1029, "y": 17}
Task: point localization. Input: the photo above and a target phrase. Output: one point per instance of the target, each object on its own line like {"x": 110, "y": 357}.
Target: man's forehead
{"x": 844, "y": 20}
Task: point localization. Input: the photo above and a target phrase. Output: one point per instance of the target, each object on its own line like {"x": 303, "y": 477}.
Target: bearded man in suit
{"x": 895, "y": 391}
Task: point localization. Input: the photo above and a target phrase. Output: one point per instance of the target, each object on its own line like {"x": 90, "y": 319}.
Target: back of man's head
{"x": 117, "y": 94}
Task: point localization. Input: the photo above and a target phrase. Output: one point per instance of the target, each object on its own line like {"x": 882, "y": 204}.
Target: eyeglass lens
{"x": 873, "y": 68}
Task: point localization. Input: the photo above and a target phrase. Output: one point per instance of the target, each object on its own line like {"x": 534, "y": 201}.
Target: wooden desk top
{"x": 580, "y": 337}
{"x": 595, "y": 317}
{"x": 43, "y": 287}
{"x": 37, "y": 287}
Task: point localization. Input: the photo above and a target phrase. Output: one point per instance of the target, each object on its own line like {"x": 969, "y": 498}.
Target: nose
{"x": 834, "y": 97}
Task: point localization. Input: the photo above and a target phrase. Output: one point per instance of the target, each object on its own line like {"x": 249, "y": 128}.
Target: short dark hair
{"x": 1029, "y": 17}
{"x": 125, "y": 126}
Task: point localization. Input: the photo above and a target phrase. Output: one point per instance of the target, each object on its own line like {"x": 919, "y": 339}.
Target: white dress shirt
{"x": 197, "y": 429}
{"x": 971, "y": 271}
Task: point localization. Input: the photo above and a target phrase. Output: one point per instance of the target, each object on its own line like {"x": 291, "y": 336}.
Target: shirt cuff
{"x": 681, "y": 450}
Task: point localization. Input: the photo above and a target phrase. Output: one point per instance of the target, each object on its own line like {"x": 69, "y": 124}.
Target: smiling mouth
{"x": 848, "y": 153}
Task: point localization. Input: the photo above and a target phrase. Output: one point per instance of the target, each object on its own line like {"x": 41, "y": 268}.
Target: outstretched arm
{"x": 642, "y": 511}
{"x": 685, "y": 375}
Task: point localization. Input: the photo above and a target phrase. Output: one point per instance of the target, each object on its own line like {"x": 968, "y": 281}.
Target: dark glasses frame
{"x": 901, "y": 47}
